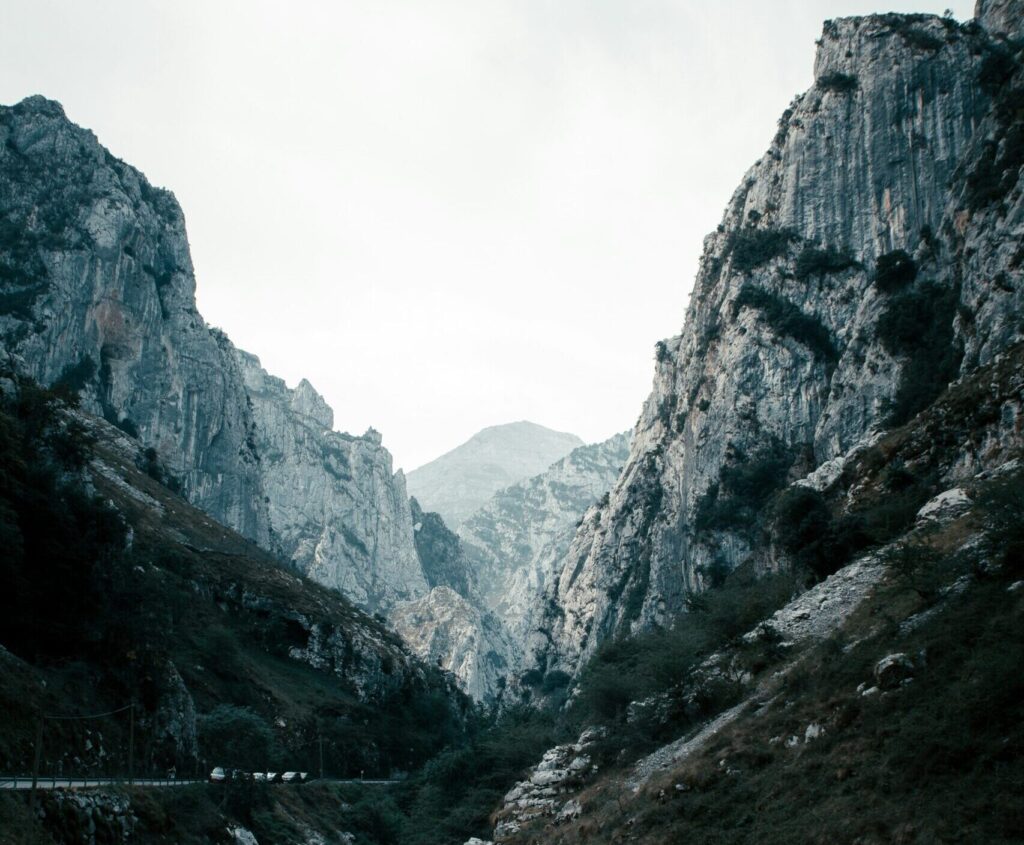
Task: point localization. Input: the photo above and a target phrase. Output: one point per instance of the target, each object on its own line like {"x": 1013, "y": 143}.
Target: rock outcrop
{"x": 441, "y": 554}
{"x": 869, "y": 258}
{"x": 459, "y": 636}
{"x": 97, "y": 294}
{"x": 335, "y": 508}
{"x": 486, "y": 579}
{"x": 97, "y": 291}
{"x": 519, "y": 538}
{"x": 462, "y": 480}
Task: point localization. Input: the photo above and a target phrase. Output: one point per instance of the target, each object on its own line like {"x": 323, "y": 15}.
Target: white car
{"x": 218, "y": 775}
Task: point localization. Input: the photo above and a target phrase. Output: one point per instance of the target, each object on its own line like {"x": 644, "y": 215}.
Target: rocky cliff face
{"x": 870, "y": 257}
{"x": 488, "y": 577}
{"x": 97, "y": 293}
{"x": 441, "y": 555}
{"x": 335, "y": 507}
{"x": 461, "y": 637}
{"x": 519, "y": 537}
{"x": 462, "y": 480}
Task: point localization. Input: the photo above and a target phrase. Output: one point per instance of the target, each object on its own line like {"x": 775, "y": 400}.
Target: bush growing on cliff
{"x": 750, "y": 247}
{"x": 894, "y": 270}
{"x": 787, "y": 320}
{"x": 743, "y": 488}
{"x": 822, "y": 262}
{"x": 917, "y": 326}
{"x": 841, "y": 83}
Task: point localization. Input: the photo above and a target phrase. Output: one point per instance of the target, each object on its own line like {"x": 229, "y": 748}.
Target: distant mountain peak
{"x": 460, "y": 481}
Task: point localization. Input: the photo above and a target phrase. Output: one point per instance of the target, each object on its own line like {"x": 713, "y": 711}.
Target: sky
{"x": 446, "y": 215}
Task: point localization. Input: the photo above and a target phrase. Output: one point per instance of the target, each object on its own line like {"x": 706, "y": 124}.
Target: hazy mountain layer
{"x": 460, "y": 481}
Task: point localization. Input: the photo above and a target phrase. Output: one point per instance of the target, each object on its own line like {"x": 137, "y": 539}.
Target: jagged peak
{"x": 38, "y": 104}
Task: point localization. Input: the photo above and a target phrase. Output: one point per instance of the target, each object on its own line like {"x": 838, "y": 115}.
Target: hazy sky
{"x": 445, "y": 215}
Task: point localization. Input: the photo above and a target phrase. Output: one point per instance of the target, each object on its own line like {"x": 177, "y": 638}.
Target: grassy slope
{"x": 202, "y": 596}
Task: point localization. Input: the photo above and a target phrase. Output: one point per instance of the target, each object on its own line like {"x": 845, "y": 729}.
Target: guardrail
{"x": 65, "y": 782}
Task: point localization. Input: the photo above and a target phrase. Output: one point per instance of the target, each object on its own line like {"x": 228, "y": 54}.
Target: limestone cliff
{"x": 335, "y": 507}
{"x": 486, "y": 579}
{"x": 97, "y": 294}
{"x": 520, "y": 536}
{"x": 870, "y": 257}
{"x": 461, "y": 637}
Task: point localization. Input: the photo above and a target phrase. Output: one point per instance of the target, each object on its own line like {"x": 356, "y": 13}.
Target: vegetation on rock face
{"x": 894, "y": 270}
{"x": 917, "y": 326}
{"x": 751, "y": 247}
{"x": 841, "y": 83}
{"x": 996, "y": 170}
{"x": 788, "y": 321}
{"x": 59, "y": 542}
{"x": 814, "y": 262}
{"x": 942, "y": 750}
{"x": 103, "y": 606}
{"x": 744, "y": 487}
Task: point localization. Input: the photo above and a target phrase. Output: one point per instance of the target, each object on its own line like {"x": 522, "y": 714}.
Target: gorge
{"x": 792, "y": 589}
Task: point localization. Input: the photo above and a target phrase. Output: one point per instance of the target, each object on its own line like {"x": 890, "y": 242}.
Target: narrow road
{"x": 67, "y": 783}
{"x": 82, "y": 783}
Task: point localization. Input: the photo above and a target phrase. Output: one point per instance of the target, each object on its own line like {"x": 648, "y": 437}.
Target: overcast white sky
{"x": 445, "y": 215}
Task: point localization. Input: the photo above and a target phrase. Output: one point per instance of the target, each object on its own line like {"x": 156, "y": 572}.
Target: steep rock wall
{"x": 807, "y": 332}
{"x": 335, "y": 508}
{"x": 97, "y": 293}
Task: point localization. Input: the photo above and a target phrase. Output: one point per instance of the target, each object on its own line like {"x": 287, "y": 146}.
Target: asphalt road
{"x": 67, "y": 783}
{"x": 81, "y": 783}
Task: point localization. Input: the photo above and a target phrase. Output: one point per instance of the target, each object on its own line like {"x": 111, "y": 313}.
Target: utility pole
{"x": 35, "y": 771}
{"x": 131, "y": 743}
{"x": 321, "y": 756}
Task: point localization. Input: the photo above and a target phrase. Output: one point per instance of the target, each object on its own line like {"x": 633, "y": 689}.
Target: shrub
{"x": 743, "y": 489}
{"x": 750, "y": 247}
{"x": 237, "y": 736}
{"x": 555, "y": 680}
{"x": 840, "y": 83}
{"x": 920, "y": 40}
{"x": 996, "y": 69}
{"x": 918, "y": 326}
{"x": 76, "y": 376}
{"x": 894, "y": 270}
{"x": 788, "y": 321}
{"x": 822, "y": 262}
{"x": 802, "y": 525}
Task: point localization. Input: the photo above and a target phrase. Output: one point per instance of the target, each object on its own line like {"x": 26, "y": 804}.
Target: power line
{"x": 90, "y": 716}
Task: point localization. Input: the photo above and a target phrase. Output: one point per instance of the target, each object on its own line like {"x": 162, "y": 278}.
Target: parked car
{"x": 292, "y": 777}
{"x": 220, "y": 775}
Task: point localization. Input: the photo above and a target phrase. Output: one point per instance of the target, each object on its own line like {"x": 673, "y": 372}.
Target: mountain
{"x": 97, "y": 295}
{"x": 117, "y": 589}
{"x": 518, "y": 537}
{"x": 807, "y": 580}
{"x": 868, "y": 259}
{"x": 486, "y": 578}
{"x": 460, "y": 481}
